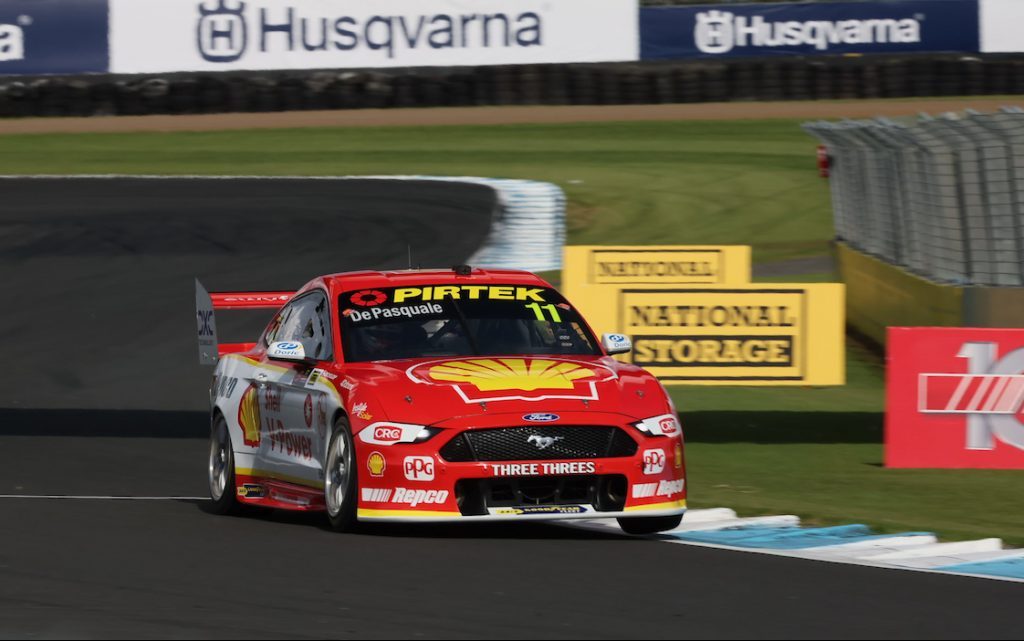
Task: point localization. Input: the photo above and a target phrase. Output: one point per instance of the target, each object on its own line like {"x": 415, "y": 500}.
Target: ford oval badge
{"x": 541, "y": 417}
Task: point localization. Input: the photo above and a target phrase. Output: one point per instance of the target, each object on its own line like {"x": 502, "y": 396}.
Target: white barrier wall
{"x": 528, "y": 230}
{"x": 1001, "y": 26}
{"x": 155, "y": 36}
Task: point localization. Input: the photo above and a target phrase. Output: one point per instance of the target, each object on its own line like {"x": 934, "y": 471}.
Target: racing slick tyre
{"x": 650, "y": 524}
{"x": 221, "y": 468}
{"x": 340, "y": 483}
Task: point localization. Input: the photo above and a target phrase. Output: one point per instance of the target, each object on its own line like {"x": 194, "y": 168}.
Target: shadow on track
{"x": 104, "y": 423}
{"x": 783, "y": 427}
{"x": 490, "y": 531}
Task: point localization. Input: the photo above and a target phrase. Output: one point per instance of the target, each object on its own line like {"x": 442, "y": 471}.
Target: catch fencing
{"x": 941, "y": 196}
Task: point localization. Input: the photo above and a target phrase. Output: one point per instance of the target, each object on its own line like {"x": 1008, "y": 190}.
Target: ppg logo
{"x": 221, "y": 32}
{"x": 714, "y": 32}
{"x": 991, "y": 395}
{"x": 204, "y": 319}
{"x": 654, "y": 461}
{"x": 419, "y": 468}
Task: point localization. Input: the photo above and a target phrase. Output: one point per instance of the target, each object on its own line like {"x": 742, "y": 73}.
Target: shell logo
{"x": 376, "y": 464}
{"x": 249, "y": 416}
{"x": 488, "y": 375}
{"x": 490, "y": 379}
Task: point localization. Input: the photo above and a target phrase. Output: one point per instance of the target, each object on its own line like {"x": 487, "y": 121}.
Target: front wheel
{"x": 650, "y": 524}
{"x": 340, "y": 481}
{"x": 221, "y": 468}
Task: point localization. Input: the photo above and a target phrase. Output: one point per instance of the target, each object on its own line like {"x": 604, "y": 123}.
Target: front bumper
{"x": 412, "y": 482}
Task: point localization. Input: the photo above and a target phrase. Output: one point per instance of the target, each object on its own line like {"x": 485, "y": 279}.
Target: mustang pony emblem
{"x": 544, "y": 442}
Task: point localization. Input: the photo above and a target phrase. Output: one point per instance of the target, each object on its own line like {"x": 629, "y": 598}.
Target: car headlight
{"x": 387, "y": 433}
{"x": 663, "y": 425}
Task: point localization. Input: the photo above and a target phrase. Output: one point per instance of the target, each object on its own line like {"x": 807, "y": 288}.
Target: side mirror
{"x": 616, "y": 343}
{"x": 290, "y": 351}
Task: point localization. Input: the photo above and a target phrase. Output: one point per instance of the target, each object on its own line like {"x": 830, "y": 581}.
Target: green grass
{"x": 826, "y": 466}
{"x": 745, "y": 182}
{"x": 812, "y": 452}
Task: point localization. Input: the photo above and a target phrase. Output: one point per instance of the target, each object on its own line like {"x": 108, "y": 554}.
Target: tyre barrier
{"x": 790, "y": 78}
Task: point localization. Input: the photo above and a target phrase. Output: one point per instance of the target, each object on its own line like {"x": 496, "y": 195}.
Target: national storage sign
{"x": 153, "y": 36}
{"x": 760, "y": 30}
{"x": 729, "y": 334}
{"x": 768, "y": 334}
{"x": 587, "y": 265}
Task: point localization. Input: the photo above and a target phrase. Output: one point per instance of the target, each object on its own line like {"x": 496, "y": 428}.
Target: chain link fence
{"x": 941, "y": 196}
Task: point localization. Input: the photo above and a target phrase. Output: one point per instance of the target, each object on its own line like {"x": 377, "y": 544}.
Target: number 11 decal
{"x": 538, "y": 309}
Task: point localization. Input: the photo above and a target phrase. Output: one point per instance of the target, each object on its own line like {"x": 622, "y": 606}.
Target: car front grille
{"x": 603, "y": 493}
{"x": 541, "y": 443}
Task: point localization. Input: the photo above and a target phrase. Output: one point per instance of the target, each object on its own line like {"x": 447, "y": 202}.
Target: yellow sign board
{"x": 755, "y": 334}
{"x": 587, "y": 265}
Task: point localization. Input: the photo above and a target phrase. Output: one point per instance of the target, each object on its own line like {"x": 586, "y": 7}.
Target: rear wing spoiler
{"x": 210, "y": 350}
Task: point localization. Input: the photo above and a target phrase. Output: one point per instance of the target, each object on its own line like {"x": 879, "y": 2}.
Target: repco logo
{"x": 221, "y": 32}
{"x": 991, "y": 395}
{"x": 387, "y": 434}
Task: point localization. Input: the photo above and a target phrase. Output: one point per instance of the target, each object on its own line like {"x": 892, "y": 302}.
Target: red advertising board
{"x": 954, "y": 398}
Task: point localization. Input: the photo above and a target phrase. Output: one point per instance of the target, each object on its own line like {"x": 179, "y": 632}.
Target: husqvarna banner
{"x": 954, "y": 398}
{"x": 53, "y": 37}
{"x": 149, "y": 36}
{"x": 761, "y": 30}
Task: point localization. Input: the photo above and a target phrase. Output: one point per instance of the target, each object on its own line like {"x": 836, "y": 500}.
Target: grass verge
{"x": 747, "y": 182}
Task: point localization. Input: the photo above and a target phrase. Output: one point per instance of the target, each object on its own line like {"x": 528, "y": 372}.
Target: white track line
{"x": 104, "y": 498}
{"x": 905, "y": 545}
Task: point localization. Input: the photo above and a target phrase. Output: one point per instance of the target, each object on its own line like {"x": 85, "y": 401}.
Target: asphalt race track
{"x": 100, "y": 395}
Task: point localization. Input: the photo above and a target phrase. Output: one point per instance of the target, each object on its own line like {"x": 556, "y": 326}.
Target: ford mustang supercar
{"x": 457, "y": 395}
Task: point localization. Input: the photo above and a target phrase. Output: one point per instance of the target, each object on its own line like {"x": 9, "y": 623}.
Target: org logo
{"x": 221, "y": 32}
{"x": 12, "y": 42}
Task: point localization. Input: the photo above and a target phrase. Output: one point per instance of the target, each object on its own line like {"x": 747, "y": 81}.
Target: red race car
{"x": 456, "y": 395}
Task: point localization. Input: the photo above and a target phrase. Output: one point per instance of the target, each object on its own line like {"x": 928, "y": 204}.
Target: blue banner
{"x": 719, "y": 31}
{"x": 53, "y": 37}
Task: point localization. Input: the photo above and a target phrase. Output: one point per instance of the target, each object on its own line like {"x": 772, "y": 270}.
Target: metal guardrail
{"x": 941, "y": 196}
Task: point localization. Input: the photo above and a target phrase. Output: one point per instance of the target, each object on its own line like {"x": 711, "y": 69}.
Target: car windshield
{"x": 392, "y": 323}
